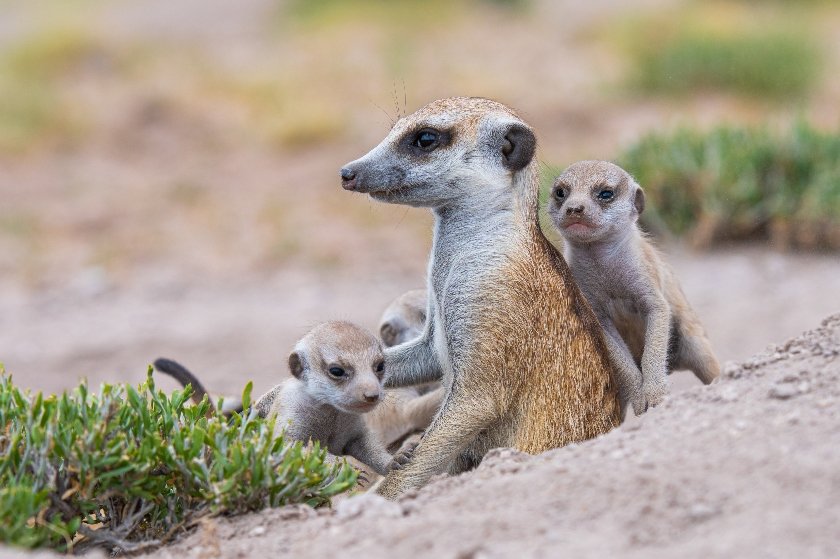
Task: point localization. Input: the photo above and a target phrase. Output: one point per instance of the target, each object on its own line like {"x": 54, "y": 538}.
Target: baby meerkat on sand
{"x": 650, "y": 327}
{"x": 337, "y": 371}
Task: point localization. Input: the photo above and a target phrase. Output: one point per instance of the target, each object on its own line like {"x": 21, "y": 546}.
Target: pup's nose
{"x": 574, "y": 209}
{"x": 371, "y": 398}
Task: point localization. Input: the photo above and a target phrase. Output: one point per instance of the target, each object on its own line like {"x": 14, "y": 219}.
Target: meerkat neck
{"x": 515, "y": 207}
{"x": 607, "y": 250}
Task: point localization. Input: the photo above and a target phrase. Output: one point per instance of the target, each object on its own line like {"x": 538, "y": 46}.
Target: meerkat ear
{"x": 388, "y": 333}
{"x": 518, "y": 146}
{"x": 296, "y": 364}
{"x": 639, "y": 200}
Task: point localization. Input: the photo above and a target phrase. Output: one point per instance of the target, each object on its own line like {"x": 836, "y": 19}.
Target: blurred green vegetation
{"x": 771, "y": 64}
{"x": 130, "y": 468}
{"x": 407, "y": 13}
{"x": 742, "y": 184}
{"x": 768, "y": 50}
{"x": 31, "y": 108}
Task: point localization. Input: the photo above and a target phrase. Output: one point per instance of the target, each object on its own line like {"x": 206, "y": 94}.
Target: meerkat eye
{"x": 560, "y": 194}
{"x": 606, "y": 194}
{"x": 380, "y": 366}
{"x": 426, "y": 139}
{"x": 336, "y": 372}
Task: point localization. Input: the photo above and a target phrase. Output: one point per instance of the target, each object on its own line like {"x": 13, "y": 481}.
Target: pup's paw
{"x": 403, "y": 455}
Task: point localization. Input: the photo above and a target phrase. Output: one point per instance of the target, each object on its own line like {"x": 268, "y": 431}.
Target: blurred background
{"x": 169, "y": 170}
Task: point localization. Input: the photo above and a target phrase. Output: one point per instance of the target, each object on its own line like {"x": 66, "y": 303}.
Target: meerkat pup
{"x": 410, "y": 409}
{"x": 403, "y": 320}
{"x": 520, "y": 353}
{"x": 337, "y": 371}
{"x": 650, "y": 327}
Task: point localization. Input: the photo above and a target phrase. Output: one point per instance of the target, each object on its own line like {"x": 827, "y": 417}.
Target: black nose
{"x": 348, "y": 174}
{"x": 371, "y": 399}
{"x": 574, "y": 209}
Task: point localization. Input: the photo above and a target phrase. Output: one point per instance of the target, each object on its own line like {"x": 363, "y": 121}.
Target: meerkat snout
{"x": 348, "y": 178}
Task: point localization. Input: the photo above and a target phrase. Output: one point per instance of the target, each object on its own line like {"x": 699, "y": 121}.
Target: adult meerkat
{"x": 521, "y": 354}
{"x": 337, "y": 371}
{"x": 405, "y": 410}
{"x": 650, "y": 327}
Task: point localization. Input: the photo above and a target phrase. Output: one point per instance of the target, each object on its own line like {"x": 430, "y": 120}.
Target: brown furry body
{"x": 514, "y": 341}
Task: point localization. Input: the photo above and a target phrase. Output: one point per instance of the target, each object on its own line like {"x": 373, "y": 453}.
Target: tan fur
{"x": 517, "y": 346}
{"x": 650, "y": 327}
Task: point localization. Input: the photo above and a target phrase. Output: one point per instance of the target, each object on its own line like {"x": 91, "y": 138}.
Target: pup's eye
{"x": 380, "y": 366}
{"x": 559, "y": 193}
{"x": 336, "y": 372}
{"x": 426, "y": 140}
{"x": 606, "y": 194}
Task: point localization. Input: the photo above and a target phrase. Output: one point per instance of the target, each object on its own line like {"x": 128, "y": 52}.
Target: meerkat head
{"x": 342, "y": 365}
{"x": 404, "y": 318}
{"x": 450, "y": 150}
{"x": 594, "y": 201}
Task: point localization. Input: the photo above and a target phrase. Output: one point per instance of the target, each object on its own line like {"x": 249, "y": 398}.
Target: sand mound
{"x": 747, "y": 467}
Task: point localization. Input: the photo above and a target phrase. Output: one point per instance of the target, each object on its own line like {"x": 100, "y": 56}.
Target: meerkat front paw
{"x": 639, "y": 401}
{"x": 654, "y": 392}
{"x": 403, "y": 455}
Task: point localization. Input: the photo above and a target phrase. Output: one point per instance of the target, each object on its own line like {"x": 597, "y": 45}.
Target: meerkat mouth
{"x": 578, "y": 226}
{"x": 361, "y": 407}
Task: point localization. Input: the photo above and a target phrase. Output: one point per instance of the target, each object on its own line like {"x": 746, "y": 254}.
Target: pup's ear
{"x": 639, "y": 200}
{"x": 389, "y": 333}
{"x": 296, "y": 364}
{"x": 518, "y": 146}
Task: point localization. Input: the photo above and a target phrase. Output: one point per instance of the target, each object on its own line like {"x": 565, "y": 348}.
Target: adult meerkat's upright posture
{"x": 521, "y": 354}
{"x": 638, "y": 301}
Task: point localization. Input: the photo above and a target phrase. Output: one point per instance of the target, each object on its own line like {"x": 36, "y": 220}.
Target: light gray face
{"x": 594, "y": 201}
{"x": 450, "y": 150}
{"x": 341, "y": 366}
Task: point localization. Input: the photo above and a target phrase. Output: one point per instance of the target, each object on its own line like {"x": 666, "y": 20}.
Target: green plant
{"x": 769, "y": 63}
{"x": 129, "y": 468}
{"x": 742, "y": 183}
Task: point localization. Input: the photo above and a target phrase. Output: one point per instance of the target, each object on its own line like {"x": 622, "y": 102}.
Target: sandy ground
{"x": 173, "y": 227}
{"x": 243, "y": 329}
{"x": 748, "y": 467}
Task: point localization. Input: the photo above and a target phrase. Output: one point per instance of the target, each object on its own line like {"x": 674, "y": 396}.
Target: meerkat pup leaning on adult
{"x": 650, "y": 327}
{"x": 521, "y": 355}
{"x": 337, "y": 371}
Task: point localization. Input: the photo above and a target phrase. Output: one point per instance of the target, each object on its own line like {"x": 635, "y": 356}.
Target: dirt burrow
{"x": 746, "y": 467}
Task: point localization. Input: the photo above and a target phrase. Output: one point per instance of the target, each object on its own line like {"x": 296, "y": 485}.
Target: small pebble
{"x": 783, "y": 391}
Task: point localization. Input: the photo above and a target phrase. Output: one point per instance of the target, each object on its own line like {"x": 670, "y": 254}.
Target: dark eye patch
{"x": 337, "y": 372}
{"x": 425, "y": 140}
{"x": 605, "y": 194}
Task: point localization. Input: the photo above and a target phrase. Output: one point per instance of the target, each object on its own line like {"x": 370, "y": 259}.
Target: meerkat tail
{"x": 183, "y": 376}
